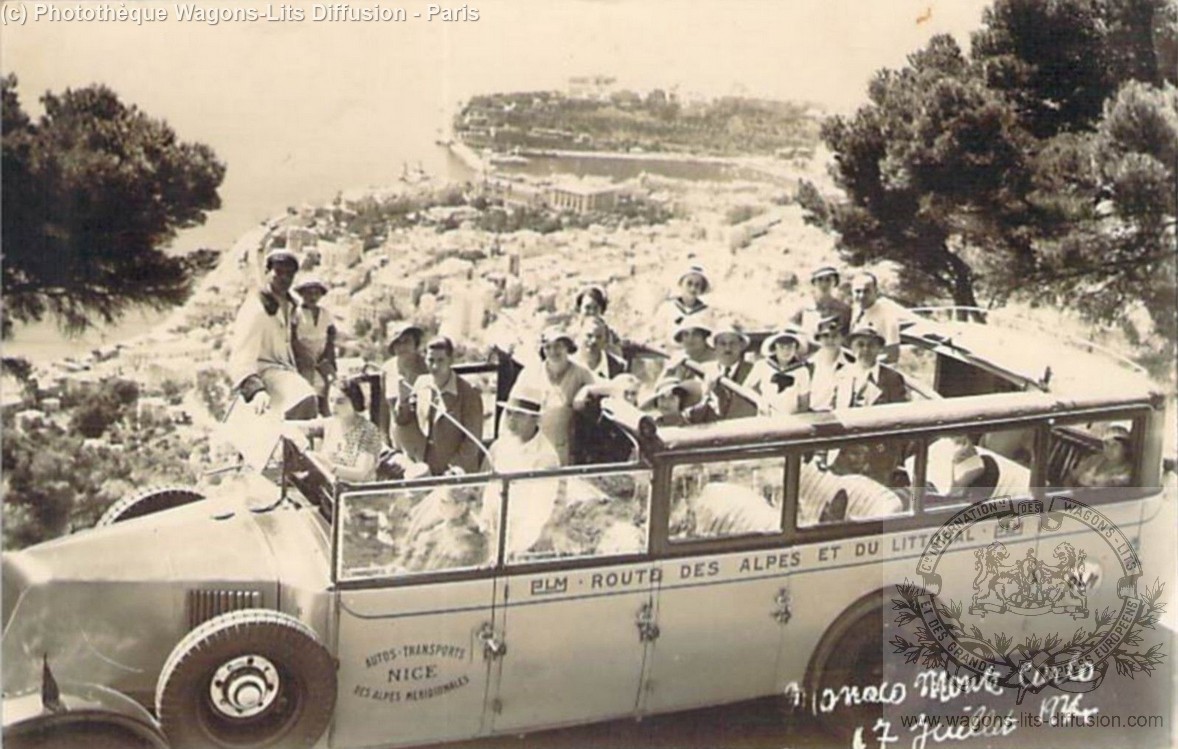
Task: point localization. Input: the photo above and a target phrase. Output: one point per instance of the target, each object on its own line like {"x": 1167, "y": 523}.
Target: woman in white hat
{"x": 400, "y": 371}
{"x": 315, "y": 338}
{"x": 670, "y": 398}
{"x": 782, "y": 377}
{"x": 827, "y": 362}
{"x": 687, "y": 303}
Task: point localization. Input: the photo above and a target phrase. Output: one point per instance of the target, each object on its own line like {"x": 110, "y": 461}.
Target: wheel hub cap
{"x": 244, "y": 687}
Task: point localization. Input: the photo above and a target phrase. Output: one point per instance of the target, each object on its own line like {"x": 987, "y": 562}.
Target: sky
{"x": 307, "y": 108}
{"x": 299, "y": 110}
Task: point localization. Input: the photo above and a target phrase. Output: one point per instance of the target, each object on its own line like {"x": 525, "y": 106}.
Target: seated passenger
{"x": 520, "y": 449}
{"x": 351, "y": 443}
{"x": 823, "y": 281}
{"x": 866, "y": 383}
{"x": 671, "y": 396}
{"x": 400, "y": 372}
{"x": 870, "y": 309}
{"x": 782, "y": 377}
{"x": 827, "y": 362}
{"x": 1112, "y": 467}
{"x": 557, "y": 382}
{"x": 597, "y": 438}
{"x": 693, "y": 338}
{"x": 721, "y": 402}
{"x": 443, "y": 415}
{"x": 679, "y": 309}
{"x": 522, "y": 446}
{"x": 591, "y": 301}
{"x": 954, "y": 467}
{"x": 594, "y": 355}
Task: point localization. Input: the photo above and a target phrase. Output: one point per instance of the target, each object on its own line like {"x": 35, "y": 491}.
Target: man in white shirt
{"x": 871, "y": 310}
{"x": 593, "y": 354}
{"x": 262, "y": 361}
{"x": 522, "y": 448}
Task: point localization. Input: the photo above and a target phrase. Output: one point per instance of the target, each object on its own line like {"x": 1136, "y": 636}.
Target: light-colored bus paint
{"x": 408, "y": 675}
{"x": 574, "y": 646}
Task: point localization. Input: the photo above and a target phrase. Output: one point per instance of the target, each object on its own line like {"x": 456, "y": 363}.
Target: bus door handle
{"x": 648, "y": 631}
{"x": 782, "y": 607}
{"x": 493, "y": 645}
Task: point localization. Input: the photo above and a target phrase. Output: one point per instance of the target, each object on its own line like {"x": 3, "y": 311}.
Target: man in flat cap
{"x": 824, "y": 281}
{"x": 262, "y": 362}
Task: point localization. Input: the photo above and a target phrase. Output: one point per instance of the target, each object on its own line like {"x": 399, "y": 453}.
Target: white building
{"x": 341, "y": 254}
{"x": 582, "y": 196}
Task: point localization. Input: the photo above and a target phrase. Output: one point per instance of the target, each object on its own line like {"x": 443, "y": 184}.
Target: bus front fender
{"x": 78, "y": 709}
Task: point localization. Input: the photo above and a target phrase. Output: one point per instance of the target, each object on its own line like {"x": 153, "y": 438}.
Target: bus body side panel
{"x": 833, "y": 575}
{"x": 722, "y": 620}
{"x": 574, "y": 648}
{"x": 411, "y": 664}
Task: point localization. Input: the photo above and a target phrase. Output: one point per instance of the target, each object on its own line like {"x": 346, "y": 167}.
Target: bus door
{"x": 571, "y": 634}
{"x": 416, "y": 605}
{"x": 722, "y": 617}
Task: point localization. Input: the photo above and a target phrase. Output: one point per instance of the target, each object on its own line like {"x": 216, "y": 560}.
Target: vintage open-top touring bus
{"x": 722, "y": 562}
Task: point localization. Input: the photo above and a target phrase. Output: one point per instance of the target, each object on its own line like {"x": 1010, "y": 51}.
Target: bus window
{"x": 726, "y": 498}
{"x": 405, "y": 531}
{"x": 1092, "y": 455}
{"x": 866, "y": 480}
{"x": 577, "y": 516}
{"x": 963, "y": 468}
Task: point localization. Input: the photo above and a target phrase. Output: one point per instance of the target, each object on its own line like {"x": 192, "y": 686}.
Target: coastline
{"x": 763, "y": 167}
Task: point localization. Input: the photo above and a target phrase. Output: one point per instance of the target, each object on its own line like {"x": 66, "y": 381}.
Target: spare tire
{"x": 253, "y": 678}
{"x": 155, "y": 499}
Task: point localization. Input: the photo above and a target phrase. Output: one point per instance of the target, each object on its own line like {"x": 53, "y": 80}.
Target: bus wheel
{"x": 146, "y": 502}
{"x": 251, "y": 678}
{"x": 849, "y": 675}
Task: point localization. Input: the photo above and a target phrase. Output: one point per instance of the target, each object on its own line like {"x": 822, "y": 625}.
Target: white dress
{"x": 782, "y": 393}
